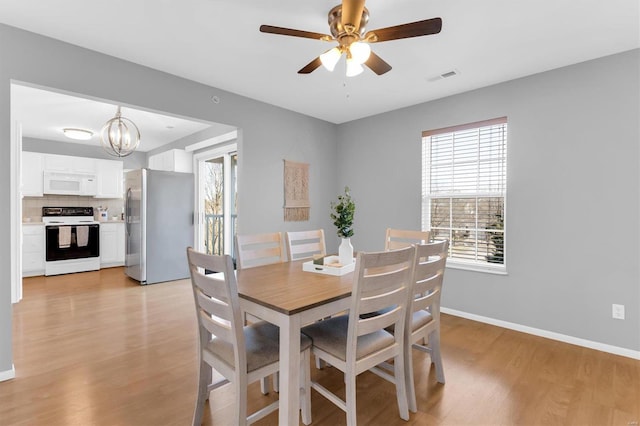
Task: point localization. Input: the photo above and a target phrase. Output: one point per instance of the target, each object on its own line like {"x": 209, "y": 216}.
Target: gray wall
{"x": 572, "y": 198}
{"x": 267, "y": 135}
{"x": 208, "y": 133}
{"x": 134, "y": 161}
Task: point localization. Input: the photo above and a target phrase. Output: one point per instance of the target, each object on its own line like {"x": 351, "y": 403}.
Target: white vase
{"x": 345, "y": 252}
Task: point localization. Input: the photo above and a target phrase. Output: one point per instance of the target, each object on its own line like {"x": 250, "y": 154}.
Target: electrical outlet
{"x": 617, "y": 311}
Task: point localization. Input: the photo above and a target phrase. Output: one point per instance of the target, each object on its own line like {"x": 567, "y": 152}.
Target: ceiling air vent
{"x": 444, "y": 75}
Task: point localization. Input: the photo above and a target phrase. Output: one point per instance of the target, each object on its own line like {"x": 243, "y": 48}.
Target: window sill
{"x": 487, "y": 268}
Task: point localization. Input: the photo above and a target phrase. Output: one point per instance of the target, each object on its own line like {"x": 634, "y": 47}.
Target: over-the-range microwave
{"x": 69, "y": 183}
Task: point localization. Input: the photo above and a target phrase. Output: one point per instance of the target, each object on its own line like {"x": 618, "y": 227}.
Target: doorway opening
{"x": 38, "y": 115}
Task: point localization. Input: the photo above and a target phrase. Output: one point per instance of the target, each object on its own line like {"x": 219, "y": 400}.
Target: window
{"x": 464, "y": 176}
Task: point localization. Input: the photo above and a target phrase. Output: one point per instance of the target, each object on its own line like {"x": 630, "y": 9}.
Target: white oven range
{"x": 72, "y": 240}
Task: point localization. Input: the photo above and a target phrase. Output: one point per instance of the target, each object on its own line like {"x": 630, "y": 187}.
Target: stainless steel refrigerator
{"x": 159, "y": 224}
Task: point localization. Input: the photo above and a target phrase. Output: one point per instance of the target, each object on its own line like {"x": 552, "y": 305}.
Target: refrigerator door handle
{"x": 128, "y": 213}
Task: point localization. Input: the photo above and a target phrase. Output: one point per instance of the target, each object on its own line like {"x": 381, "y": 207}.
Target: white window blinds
{"x": 464, "y": 173}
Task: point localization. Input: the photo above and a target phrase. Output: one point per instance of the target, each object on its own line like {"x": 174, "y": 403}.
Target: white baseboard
{"x": 8, "y": 374}
{"x": 616, "y": 350}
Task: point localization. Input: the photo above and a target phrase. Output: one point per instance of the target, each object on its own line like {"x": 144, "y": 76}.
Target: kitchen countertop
{"x": 29, "y": 223}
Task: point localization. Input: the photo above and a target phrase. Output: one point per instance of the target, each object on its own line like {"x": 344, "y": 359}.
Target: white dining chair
{"x": 242, "y": 354}
{"x": 399, "y": 238}
{"x": 254, "y": 250}
{"x": 354, "y": 344}
{"x": 422, "y": 327}
{"x": 259, "y": 249}
{"x": 305, "y": 244}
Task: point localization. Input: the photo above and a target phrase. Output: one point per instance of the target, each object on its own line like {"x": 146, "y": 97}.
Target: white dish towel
{"x": 64, "y": 236}
{"x": 82, "y": 236}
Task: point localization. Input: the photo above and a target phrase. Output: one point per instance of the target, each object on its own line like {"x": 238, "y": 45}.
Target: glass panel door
{"x": 217, "y": 179}
{"x": 214, "y": 206}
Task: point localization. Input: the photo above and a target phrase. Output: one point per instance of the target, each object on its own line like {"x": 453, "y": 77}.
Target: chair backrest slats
{"x": 382, "y": 282}
{"x": 266, "y": 253}
{"x": 429, "y": 270}
{"x": 259, "y": 249}
{"x": 425, "y": 302}
{"x": 400, "y": 238}
{"x": 304, "y": 249}
{"x": 305, "y": 244}
{"x": 379, "y": 283}
{"x": 212, "y": 286}
{"x": 202, "y": 260}
{"x": 381, "y": 321}
{"x": 381, "y": 301}
{"x": 215, "y": 307}
{"x": 217, "y": 303}
{"x": 429, "y": 276}
{"x": 216, "y": 328}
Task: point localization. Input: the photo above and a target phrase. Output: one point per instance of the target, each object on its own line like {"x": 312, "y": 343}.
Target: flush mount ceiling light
{"x": 120, "y": 136}
{"x": 77, "y": 134}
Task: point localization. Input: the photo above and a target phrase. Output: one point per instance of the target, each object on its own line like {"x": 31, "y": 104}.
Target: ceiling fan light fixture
{"x": 348, "y": 26}
{"x": 360, "y": 52}
{"x": 77, "y": 134}
{"x": 353, "y": 68}
{"x": 330, "y": 58}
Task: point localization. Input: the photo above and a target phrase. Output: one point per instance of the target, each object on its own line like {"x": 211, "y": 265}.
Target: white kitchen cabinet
{"x": 111, "y": 244}
{"x": 174, "y": 160}
{"x": 109, "y": 175}
{"x": 33, "y": 250}
{"x": 32, "y": 168}
{"x": 68, "y": 163}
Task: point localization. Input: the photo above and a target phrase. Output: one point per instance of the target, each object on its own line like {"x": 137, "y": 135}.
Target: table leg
{"x": 289, "y": 372}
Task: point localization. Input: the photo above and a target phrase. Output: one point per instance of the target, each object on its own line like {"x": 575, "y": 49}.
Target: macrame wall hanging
{"x": 296, "y": 191}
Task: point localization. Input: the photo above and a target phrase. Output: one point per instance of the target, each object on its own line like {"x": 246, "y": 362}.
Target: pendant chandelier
{"x": 120, "y": 136}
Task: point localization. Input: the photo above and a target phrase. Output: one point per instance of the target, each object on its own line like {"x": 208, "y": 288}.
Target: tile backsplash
{"x": 32, "y": 206}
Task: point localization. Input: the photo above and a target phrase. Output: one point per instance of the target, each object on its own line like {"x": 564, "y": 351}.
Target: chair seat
{"x": 331, "y": 336}
{"x": 420, "y": 319}
{"x": 262, "y": 346}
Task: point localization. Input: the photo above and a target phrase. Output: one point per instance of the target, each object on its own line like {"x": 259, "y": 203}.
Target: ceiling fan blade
{"x": 377, "y": 64}
{"x": 352, "y": 13}
{"x": 311, "y": 66}
{"x": 294, "y": 33}
{"x": 413, "y": 29}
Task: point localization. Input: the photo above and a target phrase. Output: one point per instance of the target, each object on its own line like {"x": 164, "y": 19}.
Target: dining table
{"x": 289, "y": 297}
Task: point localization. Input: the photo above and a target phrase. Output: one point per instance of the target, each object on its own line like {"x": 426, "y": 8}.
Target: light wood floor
{"x": 97, "y": 349}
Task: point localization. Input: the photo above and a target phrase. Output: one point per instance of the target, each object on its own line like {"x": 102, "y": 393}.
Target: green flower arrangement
{"x": 342, "y": 215}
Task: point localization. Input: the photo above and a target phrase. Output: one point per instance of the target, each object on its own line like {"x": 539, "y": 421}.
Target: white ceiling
{"x": 43, "y": 114}
{"x": 217, "y": 42}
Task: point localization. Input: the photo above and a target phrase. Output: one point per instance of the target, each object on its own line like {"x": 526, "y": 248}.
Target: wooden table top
{"x": 286, "y": 288}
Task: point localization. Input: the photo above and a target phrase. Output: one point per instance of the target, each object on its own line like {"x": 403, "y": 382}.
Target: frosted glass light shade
{"x": 353, "y": 68}
{"x": 330, "y": 58}
{"x": 360, "y": 52}
{"x": 77, "y": 134}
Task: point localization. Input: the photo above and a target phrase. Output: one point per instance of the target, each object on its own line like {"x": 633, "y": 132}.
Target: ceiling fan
{"x": 347, "y": 22}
